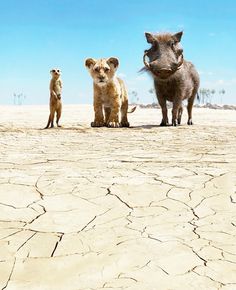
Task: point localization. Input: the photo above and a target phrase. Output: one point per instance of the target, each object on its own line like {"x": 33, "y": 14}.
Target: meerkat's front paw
{"x": 112, "y": 124}
{"x": 97, "y": 124}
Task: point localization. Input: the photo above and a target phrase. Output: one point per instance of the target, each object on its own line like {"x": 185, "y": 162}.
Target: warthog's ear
{"x": 177, "y": 37}
{"x": 150, "y": 37}
{"x": 113, "y": 61}
{"x": 90, "y": 62}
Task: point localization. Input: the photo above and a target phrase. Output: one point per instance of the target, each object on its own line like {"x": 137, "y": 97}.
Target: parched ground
{"x": 145, "y": 208}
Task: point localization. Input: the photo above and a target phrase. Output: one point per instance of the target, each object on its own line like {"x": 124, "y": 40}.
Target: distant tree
{"x": 202, "y": 94}
{"x": 134, "y": 95}
{"x": 152, "y": 92}
{"x": 212, "y": 94}
{"x": 221, "y": 93}
{"x": 18, "y": 99}
{"x": 206, "y": 95}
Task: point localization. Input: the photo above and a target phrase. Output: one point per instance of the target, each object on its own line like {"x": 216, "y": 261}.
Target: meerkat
{"x": 55, "y": 98}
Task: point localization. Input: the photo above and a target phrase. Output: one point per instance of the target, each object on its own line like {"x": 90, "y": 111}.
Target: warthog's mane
{"x": 163, "y": 37}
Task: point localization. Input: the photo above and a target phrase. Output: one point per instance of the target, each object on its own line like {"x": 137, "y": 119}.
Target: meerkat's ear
{"x": 113, "y": 61}
{"x": 90, "y": 62}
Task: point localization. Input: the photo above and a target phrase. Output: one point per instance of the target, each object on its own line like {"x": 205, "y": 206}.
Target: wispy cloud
{"x": 141, "y": 78}
{"x": 220, "y": 83}
{"x": 205, "y": 73}
{"x": 122, "y": 75}
{"x": 180, "y": 26}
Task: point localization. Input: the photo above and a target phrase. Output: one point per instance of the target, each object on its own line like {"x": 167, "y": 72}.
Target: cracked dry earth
{"x": 144, "y": 208}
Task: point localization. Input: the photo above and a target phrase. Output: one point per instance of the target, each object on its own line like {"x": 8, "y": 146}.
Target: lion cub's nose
{"x": 101, "y": 78}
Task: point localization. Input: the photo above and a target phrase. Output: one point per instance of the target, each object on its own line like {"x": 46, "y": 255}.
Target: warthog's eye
{"x": 180, "y": 51}
{"x": 172, "y": 44}
{"x": 106, "y": 69}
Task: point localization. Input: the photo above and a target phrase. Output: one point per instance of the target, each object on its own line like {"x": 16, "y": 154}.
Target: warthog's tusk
{"x": 181, "y": 62}
{"x": 144, "y": 60}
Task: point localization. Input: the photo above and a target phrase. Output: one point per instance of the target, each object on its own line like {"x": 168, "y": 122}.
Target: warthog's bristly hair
{"x": 175, "y": 79}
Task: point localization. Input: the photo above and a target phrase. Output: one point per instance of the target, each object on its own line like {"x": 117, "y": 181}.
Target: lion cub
{"x": 55, "y": 97}
{"x": 110, "y": 93}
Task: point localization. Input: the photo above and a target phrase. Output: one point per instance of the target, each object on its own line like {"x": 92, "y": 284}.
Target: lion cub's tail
{"x": 132, "y": 110}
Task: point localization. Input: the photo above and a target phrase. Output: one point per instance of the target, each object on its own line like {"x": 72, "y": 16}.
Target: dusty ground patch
{"x": 144, "y": 208}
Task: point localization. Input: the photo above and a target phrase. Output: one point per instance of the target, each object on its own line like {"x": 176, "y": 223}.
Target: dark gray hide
{"x": 174, "y": 78}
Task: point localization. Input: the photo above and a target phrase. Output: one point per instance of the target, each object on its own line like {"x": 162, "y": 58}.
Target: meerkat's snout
{"x": 56, "y": 72}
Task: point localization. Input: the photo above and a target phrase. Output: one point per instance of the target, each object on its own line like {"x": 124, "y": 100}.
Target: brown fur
{"x": 110, "y": 95}
{"x": 164, "y": 37}
{"x": 55, "y": 98}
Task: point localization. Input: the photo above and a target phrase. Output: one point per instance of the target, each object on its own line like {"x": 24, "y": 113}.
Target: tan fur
{"x": 110, "y": 95}
{"x": 55, "y": 98}
{"x": 164, "y": 37}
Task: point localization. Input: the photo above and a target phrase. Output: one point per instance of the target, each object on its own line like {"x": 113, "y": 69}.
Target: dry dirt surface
{"x": 140, "y": 208}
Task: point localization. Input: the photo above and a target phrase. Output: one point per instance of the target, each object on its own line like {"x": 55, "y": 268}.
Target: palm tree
{"x": 221, "y": 93}
{"x": 152, "y": 92}
{"x": 135, "y": 97}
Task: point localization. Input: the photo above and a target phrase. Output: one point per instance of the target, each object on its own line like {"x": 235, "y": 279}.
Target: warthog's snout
{"x": 163, "y": 71}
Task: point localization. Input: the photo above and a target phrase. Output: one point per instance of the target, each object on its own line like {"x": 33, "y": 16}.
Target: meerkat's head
{"x": 102, "y": 70}
{"x": 56, "y": 73}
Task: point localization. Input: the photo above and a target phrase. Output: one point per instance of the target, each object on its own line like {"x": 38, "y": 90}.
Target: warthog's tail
{"x": 132, "y": 110}
{"x": 143, "y": 69}
{"x": 198, "y": 97}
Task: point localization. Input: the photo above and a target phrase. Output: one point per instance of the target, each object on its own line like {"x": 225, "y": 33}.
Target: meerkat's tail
{"x": 132, "y": 110}
{"x": 48, "y": 123}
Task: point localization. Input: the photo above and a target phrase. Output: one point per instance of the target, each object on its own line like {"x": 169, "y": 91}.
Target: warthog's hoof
{"x": 113, "y": 124}
{"x": 124, "y": 124}
{"x": 163, "y": 124}
{"x": 97, "y": 124}
{"x": 190, "y": 122}
{"x": 174, "y": 122}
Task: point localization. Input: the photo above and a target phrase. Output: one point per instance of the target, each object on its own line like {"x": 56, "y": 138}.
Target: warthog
{"x": 175, "y": 79}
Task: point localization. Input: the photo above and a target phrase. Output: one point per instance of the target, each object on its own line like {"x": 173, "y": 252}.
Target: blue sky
{"x": 39, "y": 35}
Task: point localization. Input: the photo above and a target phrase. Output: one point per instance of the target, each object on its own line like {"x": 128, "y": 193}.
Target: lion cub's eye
{"x": 106, "y": 69}
{"x": 97, "y": 69}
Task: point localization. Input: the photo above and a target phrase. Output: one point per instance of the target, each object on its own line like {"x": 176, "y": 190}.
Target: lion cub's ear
{"x": 90, "y": 62}
{"x": 113, "y": 61}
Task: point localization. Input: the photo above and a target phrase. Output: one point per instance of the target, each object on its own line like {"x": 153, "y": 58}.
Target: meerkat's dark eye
{"x": 53, "y": 70}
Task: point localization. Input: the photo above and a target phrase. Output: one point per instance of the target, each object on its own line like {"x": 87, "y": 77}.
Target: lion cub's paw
{"x": 113, "y": 124}
{"x": 124, "y": 124}
{"x": 97, "y": 124}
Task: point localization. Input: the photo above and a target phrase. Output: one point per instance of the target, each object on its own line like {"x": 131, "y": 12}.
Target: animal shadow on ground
{"x": 149, "y": 126}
